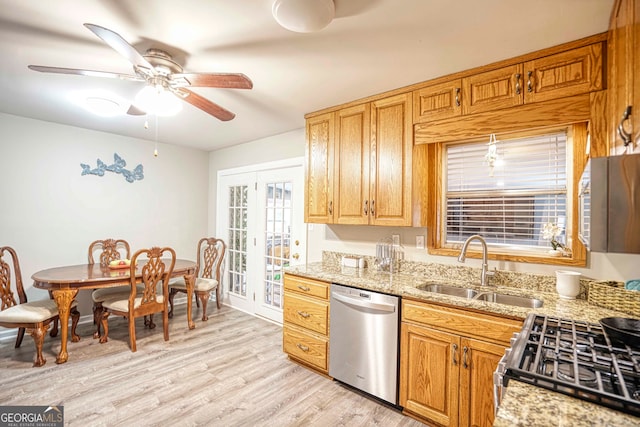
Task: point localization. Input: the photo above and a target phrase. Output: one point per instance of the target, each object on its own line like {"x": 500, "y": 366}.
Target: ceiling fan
{"x": 163, "y": 75}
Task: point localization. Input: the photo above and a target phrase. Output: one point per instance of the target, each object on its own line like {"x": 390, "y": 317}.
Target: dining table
{"x": 64, "y": 283}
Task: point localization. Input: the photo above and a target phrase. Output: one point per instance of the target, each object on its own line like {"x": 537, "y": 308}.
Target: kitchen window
{"x": 507, "y": 191}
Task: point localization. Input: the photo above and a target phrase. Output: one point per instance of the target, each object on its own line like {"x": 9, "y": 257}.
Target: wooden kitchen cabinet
{"x": 319, "y": 158}
{"x": 371, "y": 151}
{"x": 492, "y": 90}
{"x": 622, "y": 71}
{"x": 447, "y": 359}
{"x": 305, "y": 336}
{"x": 440, "y": 101}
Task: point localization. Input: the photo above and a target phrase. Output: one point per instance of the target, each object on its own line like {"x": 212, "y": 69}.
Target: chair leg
{"x": 203, "y": 297}
{"x": 97, "y": 317}
{"x": 19, "y": 337}
{"x": 165, "y": 324}
{"x": 132, "y": 333}
{"x": 75, "y": 317}
{"x": 38, "y": 334}
{"x": 150, "y": 323}
{"x": 218, "y": 296}
{"x": 105, "y": 327}
{"x": 172, "y": 293}
{"x": 54, "y": 330}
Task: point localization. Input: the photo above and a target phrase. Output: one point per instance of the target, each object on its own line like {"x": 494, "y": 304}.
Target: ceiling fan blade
{"x": 134, "y": 111}
{"x": 121, "y": 46}
{"x": 90, "y": 73}
{"x": 205, "y": 105}
{"x": 221, "y": 80}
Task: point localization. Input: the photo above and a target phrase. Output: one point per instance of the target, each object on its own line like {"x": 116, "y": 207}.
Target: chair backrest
{"x": 109, "y": 250}
{"x": 210, "y": 255}
{"x": 6, "y": 293}
{"x": 155, "y": 272}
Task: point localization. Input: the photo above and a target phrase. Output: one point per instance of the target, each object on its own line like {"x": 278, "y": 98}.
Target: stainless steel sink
{"x": 509, "y": 299}
{"x": 468, "y": 293}
{"x": 455, "y": 291}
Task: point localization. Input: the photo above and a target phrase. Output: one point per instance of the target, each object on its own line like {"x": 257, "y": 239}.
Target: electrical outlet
{"x": 396, "y": 239}
{"x": 419, "y": 242}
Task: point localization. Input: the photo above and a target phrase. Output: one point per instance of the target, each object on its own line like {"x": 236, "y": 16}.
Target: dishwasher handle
{"x": 364, "y": 304}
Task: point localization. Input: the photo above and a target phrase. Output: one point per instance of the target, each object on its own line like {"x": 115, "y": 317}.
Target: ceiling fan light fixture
{"x": 303, "y": 16}
{"x": 156, "y": 100}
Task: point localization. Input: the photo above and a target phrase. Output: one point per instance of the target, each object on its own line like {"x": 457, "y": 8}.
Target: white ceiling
{"x": 371, "y": 46}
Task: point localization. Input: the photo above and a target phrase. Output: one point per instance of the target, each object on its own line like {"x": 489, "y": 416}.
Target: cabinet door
{"x": 318, "y": 190}
{"x": 429, "y": 373}
{"x": 351, "y": 189}
{"x": 478, "y": 362}
{"x": 564, "y": 74}
{"x": 391, "y": 161}
{"x": 492, "y": 90}
{"x": 436, "y": 102}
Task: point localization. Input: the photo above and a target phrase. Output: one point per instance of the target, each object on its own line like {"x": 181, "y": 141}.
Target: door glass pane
{"x": 237, "y": 251}
{"x": 277, "y": 231}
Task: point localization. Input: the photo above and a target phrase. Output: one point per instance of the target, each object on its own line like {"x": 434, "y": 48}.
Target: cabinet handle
{"x": 303, "y": 314}
{"x": 457, "y": 97}
{"x": 517, "y": 83}
{"x": 529, "y": 82}
{"x": 331, "y": 207}
{"x": 465, "y": 351}
{"x": 304, "y": 288}
{"x": 626, "y": 136}
{"x": 302, "y": 347}
{"x": 453, "y": 354}
{"x": 366, "y": 207}
{"x": 372, "y": 211}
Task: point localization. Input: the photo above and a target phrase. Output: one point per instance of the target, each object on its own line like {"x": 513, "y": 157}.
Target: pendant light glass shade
{"x": 156, "y": 100}
{"x": 303, "y": 16}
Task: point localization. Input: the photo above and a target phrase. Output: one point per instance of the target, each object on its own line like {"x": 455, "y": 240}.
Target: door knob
{"x": 296, "y": 256}
{"x": 297, "y": 242}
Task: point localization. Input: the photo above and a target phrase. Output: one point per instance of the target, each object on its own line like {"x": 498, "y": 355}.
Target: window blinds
{"x": 509, "y": 203}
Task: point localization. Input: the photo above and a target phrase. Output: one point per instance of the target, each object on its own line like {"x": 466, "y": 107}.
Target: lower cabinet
{"x": 447, "y": 360}
{"x": 306, "y": 321}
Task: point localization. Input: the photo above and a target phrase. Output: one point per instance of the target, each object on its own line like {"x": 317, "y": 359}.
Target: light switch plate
{"x": 419, "y": 242}
{"x": 396, "y": 239}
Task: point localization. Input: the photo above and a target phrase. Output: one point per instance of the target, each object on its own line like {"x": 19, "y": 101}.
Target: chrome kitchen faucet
{"x": 484, "y": 277}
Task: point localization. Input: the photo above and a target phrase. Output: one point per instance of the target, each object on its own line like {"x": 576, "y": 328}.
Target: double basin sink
{"x": 488, "y": 296}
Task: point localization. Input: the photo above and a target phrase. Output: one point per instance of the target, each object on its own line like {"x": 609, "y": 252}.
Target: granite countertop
{"x": 523, "y": 404}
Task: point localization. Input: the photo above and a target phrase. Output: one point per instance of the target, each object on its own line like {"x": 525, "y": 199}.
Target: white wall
{"x": 278, "y": 147}
{"x": 50, "y": 213}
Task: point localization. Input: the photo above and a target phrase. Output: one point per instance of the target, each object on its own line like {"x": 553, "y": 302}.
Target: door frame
{"x": 221, "y": 208}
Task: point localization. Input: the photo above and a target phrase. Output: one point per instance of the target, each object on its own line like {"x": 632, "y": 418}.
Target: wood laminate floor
{"x": 229, "y": 371}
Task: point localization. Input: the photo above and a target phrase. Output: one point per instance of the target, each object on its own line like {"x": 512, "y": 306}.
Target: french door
{"x": 261, "y": 216}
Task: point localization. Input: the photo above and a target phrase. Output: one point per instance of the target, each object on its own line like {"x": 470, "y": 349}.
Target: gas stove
{"x": 574, "y": 358}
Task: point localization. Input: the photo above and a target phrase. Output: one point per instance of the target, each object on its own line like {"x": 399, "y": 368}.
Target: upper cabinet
{"x": 370, "y": 151}
{"x": 572, "y": 72}
{"x": 318, "y": 190}
{"x": 623, "y": 83}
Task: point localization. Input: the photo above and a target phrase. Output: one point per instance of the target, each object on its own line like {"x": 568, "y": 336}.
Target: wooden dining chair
{"x": 208, "y": 269}
{"x": 110, "y": 250}
{"x": 34, "y": 317}
{"x": 151, "y": 299}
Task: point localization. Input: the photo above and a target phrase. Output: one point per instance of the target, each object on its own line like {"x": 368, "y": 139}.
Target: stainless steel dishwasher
{"x": 363, "y": 341}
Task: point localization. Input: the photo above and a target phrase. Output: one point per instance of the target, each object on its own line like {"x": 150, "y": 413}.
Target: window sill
{"x": 530, "y": 258}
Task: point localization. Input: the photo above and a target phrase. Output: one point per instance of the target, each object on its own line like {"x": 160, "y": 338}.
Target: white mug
{"x": 568, "y": 284}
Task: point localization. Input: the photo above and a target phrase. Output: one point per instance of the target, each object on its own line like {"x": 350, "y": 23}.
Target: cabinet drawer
{"x": 305, "y": 286}
{"x": 306, "y": 312}
{"x": 306, "y": 347}
{"x": 465, "y": 323}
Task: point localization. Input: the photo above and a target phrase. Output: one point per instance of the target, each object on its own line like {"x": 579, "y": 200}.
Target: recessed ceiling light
{"x": 104, "y": 107}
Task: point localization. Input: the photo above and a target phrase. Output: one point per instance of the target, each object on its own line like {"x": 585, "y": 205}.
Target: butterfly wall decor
{"x": 118, "y": 165}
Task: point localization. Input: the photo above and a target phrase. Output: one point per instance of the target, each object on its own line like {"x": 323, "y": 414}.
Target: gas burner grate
{"x": 577, "y": 359}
